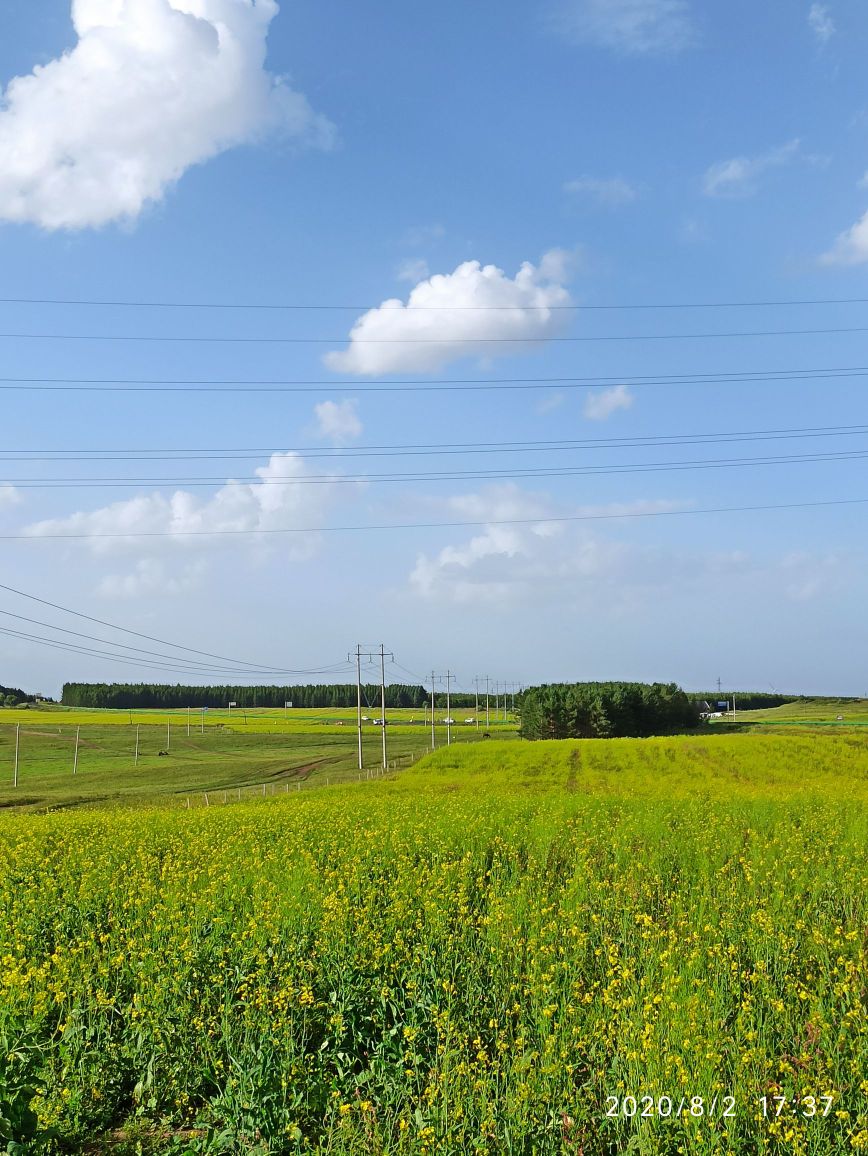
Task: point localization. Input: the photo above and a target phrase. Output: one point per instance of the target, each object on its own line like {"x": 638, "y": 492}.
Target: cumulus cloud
{"x": 739, "y": 176}
{"x": 851, "y": 247}
{"x": 280, "y": 499}
{"x": 610, "y": 191}
{"x": 630, "y": 27}
{"x": 151, "y": 88}
{"x": 602, "y": 403}
{"x": 510, "y": 563}
{"x": 338, "y": 421}
{"x": 821, "y": 23}
{"x": 468, "y": 312}
{"x": 9, "y": 496}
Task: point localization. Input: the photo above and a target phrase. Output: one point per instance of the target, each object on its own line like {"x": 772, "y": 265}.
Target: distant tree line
{"x": 13, "y": 696}
{"x": 146, "y": 695}
{"x": 746, "y": 699}
{"x": 606, "y": 710}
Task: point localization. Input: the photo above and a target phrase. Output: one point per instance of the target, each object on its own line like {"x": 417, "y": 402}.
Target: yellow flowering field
{"x": 611, "y": 946}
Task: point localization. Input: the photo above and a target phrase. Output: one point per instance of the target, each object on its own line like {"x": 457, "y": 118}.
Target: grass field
{"x": 809, "y": 712}
{"x": 490, "y": 953}
{"x": 269, "y": 751}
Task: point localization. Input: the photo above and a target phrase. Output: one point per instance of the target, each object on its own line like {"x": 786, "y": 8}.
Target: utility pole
{"x": 383, "y": 696}
{"x": 168, "y": 734}
{"x": 476, "y": 684}
{"x": 359, "y": 655}
{"x": 17, "y": 742}
{"x": 433, "y": 683}
{"x": 487, "y": 705}
{"x": 359, "y": 699}
{"x": 75, "y": 758}
{"x": 188, "y": 722}
{"x": 448, "y": 712}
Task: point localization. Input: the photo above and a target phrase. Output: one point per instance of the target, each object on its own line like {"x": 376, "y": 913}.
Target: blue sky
{"x": 619, "y": 152}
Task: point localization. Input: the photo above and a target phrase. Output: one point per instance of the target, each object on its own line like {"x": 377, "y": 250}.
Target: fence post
{"x": 75, "y": 759}
{"x": 17, "y": 741}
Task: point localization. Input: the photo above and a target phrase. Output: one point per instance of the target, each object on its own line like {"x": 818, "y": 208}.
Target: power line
{"x": 191, "y": 666}
{"x": 224, "y": 339}
{"x": 432, "y": 449}
{"x": 541, "y": 519}
{"x": 322, "y": 307}
{"x": 434, "y": 385}
{"x": 442, "y": 475}
{"x": 257, "y": 667}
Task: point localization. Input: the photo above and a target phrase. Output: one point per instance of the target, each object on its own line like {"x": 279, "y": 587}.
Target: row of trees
{"x": 146, "y": 695}
{"x": 13, "y": 696}
{"x": 606, "y": 710}
{"x": 746, "y": 699}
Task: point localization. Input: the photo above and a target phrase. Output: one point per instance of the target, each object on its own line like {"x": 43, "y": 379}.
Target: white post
{"x": 487, "y": 705}
{"x": 168, "y": 734}
{"x": 476, "y": 684}
{"x": 448, "y": 710}
{"x": 17, "y": 741}
{"x": 136, "y": 763}
{"x": 188, "y": 722}
{"x": 75, "y": 759}
{"x": 203, "y": 720}
{"x": 433, "y": 739}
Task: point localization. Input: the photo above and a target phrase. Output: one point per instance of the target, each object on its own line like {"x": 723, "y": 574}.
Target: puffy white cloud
{"x": 602, "y": 403}
{"x": 739, "y": 176}
{"x": 280, "y": 499}
{"x": 460, "y": 314}
{"x": 151, "y": 88}
{"x": 610, "y": 191}
{"x": 9, "y": 496}
{"x": 851, "y": 247}
{"x": 338, "y": 420}
{"x": 821, "y": 23}
{"x": 631, "y": 27}
{"x": 504, "y": 564}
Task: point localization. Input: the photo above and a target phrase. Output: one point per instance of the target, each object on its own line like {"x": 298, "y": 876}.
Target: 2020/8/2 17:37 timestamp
{"x": 807, "y": 1106}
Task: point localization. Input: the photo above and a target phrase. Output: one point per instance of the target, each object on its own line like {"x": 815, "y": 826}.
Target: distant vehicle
{"x": 470, "y": 720}
{"x": 449, "y": 720}
{"x": 365, "y": 718}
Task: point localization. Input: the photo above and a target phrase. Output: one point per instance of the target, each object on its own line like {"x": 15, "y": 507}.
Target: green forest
{"x": 143, "y": 695}
{"x": 584, "y": 710}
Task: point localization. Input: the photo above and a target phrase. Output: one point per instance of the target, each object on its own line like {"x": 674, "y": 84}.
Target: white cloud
{"x": 602, "y": 403}
{"x": 151, "y": 88}
{"x": 151, "y": 577}
{"x": 610, "y": 191}
{"x": 9, "y": 496}
{"x": 821, "y": 22}
{"x": 851, "y": 247}
{"x": 338, "y": 420}
{"x": 413, "y": 270}
{"x": 510, "y": 563}
{"x": 280, "y": 499}
{"x": 631, "y": 27}
{"x": 461, "y": 314}
{"x": 739, "y": 176}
